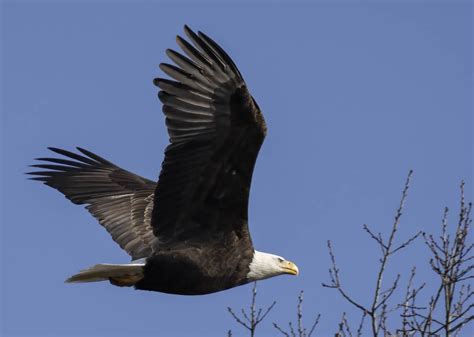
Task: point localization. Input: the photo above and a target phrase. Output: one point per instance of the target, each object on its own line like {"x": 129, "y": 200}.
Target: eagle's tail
{"x": 123, "y": 275}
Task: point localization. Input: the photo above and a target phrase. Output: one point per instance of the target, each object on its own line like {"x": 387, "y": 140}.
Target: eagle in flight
{"x": 188, "y": 233}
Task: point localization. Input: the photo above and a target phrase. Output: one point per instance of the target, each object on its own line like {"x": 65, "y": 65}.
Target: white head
{"x": 266, "y": 265}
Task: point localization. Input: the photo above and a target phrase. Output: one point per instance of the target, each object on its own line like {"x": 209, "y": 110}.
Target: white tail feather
{"x": 129, "y": 272}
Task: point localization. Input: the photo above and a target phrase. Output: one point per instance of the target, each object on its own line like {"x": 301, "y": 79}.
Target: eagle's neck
{"x": 263, "y": 265}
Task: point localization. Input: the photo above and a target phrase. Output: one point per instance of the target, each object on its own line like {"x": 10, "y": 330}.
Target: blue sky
{"x": 354, "y": 93}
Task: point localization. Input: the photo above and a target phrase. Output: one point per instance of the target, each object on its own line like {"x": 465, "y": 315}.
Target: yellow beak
{"x": 290, "y": 268}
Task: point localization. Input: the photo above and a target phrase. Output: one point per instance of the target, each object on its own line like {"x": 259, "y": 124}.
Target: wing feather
{"x": 216, "y": 131}
{"x": 121, "y": 201}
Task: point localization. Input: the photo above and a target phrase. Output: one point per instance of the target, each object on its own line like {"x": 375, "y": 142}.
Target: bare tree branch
{"x": 361, "y": 324}
{"x": 378, "y": 309}
{"x": 336, "y": 283}
{"x": 283, "y": 332}
{"x": 449, "y": 308}
{"x": 451, "y": 261}
{"x": 256, "y": 316}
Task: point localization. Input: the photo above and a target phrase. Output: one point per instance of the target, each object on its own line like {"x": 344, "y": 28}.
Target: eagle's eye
{"x": 280, "y": 259}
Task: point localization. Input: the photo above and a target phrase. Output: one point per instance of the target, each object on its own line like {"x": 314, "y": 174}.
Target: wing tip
{"x": 186, "y": 28}
{"x": 42, "y": 179}
{"x": 55, "y": 149}
{"x": 157, "y": 81}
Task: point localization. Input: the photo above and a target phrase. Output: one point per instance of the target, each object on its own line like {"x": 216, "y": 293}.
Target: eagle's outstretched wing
{"x": 120, "y": 200}
{"x": 216, "y": 130}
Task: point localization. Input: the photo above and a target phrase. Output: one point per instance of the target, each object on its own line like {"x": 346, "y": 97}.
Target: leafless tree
{"x": 450, "y": 308}
{"x": 446, "y": 312}
{"x": 254, "y": 317}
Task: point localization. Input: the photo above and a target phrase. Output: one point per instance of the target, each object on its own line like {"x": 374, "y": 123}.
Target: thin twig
{"x": 254, "y": 317}
{"x": 378, "y": 309}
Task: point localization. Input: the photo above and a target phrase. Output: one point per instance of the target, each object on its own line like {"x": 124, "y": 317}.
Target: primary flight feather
{"x": 187, "y": 234}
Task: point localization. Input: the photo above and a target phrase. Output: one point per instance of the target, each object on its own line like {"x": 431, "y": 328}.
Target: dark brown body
{"x": 198, "y": 270}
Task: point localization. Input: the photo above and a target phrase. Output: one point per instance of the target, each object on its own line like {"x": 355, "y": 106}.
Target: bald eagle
{"x": 187, "y": 234}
